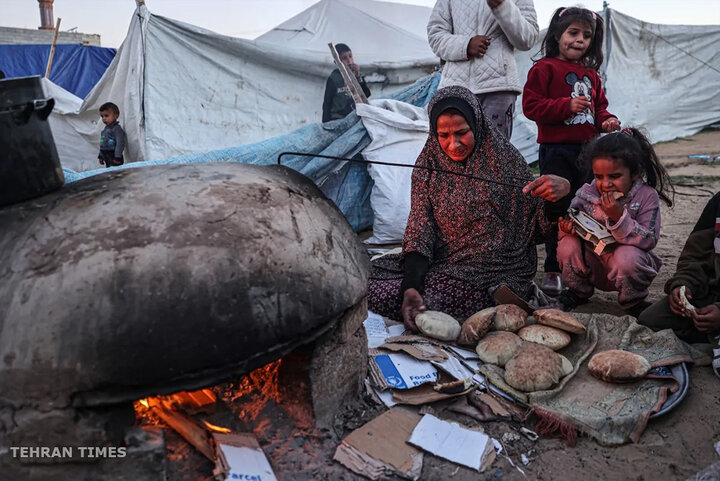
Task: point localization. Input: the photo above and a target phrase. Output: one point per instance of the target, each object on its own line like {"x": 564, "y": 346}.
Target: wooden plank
{"x": 52, "y": 48}
{"x": 186, "y": 427}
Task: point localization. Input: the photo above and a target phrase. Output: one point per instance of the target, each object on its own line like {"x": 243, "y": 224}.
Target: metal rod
{"x": 433, "y": 169}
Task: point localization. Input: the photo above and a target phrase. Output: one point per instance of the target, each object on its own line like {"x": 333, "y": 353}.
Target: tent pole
{"x": 357, "y": 94}
{"x": 52, "y": 48}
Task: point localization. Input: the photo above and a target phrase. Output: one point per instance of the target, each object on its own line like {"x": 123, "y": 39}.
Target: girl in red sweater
{"x": 563, "y": 95}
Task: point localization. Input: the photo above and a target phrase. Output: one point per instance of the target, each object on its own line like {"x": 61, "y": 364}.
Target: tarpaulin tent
{"x": 75, "y": 68}
{"x": 663, "y": 78}
{"x": 182, "y": 89}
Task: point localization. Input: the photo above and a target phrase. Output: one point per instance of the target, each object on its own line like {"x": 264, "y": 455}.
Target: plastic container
{"x": 29, "y": 163}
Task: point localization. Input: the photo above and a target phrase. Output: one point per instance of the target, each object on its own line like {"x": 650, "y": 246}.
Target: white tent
{"x": 663, "y": 78}
{"x": 182, "y": 89}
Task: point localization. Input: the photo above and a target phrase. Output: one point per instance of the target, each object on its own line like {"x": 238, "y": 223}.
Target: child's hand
{"x": 478, "y": 45}
{"x": 612, "y": 208}
{"x": 566, "y": 225}
{"x": 611, "y": 125}
{"x": 706, "y": 319}
{"x": 676, "y": 304}
{"x": 101, "y": 161}
{"x": 579, "y": 104}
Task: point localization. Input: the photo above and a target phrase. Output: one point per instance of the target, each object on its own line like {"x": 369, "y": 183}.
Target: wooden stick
{"x": 187, "y": 428}
{"x": 52, "y": 48}
{"x": 350, "y": 80}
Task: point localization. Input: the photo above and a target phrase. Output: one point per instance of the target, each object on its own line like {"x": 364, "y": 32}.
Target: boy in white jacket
{"x": 476, "y": 39}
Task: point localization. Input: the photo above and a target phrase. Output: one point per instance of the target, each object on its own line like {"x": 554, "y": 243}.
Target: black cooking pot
{"x": 29, "y": 163}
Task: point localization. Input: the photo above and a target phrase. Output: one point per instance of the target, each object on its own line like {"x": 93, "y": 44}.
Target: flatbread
{"x": 498, "y": 347}
{"x": 438, "y": 325}
{"x": 551, "y": 337}
{"x": 618, "y": 366}
{"x": 534, "y": 368}
{"x": 476, "y": 326}
{"x": 509, "y": 317}
{"x": 559, "y": 319}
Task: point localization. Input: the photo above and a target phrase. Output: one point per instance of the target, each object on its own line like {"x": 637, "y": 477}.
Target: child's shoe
{"x": 569, "y": 300}
{"x": 636, "y": 310}
{"x": 551, "y": 284}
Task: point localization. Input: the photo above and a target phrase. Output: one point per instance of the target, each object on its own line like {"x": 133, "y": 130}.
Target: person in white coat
{"x": 477, "y": 40}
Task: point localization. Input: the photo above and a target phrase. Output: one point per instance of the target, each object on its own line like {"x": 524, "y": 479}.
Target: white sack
{"x": 398, "y": 131}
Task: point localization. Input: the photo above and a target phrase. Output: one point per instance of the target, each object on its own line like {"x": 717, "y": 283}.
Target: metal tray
{"x": 679, "y": 372}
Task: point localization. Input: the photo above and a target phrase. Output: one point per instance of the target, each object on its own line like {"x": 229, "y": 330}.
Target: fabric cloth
{"x": 476, "y": 232}
{"x": 612, "y": 414}
{"x": 512, "y": 25}
{"x": 338, "y": 102}
{"x": 112, "y": 144}
{"x": 631, "y": 266}
{"x": 562, "y": 160}
{"x": 698, "y": 268}
{"x": 499, "y": 108}
{"x": 551, "y": 85}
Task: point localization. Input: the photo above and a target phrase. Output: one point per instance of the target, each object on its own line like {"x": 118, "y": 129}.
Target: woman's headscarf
{"x": 474, "y": 230}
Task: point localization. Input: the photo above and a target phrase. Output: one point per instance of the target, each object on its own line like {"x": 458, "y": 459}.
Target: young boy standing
{"x": 112, "y": 138}
{"x": 337, "y": 102}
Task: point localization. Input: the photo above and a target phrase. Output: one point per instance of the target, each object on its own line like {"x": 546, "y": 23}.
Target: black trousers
{"x": 562, "y": 160}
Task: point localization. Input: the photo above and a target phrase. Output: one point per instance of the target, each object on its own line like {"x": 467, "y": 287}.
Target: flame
{"x": 217, "y": 429}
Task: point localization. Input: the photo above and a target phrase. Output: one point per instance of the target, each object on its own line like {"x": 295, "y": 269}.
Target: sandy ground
{"x": 675, "y": 446}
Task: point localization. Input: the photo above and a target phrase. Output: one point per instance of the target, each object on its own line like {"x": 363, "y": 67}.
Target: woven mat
{"x": 612, "y": 414}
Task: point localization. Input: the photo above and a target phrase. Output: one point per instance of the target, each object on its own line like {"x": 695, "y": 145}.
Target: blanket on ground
{"x": 612, "y": 414}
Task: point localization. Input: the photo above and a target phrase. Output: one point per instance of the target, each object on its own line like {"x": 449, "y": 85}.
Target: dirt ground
{"x": 675, "y": 446}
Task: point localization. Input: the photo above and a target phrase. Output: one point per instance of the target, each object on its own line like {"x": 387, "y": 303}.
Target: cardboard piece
{"x": 424, "y": 394}
{"x": 379, "y": 449}
{"x": 399, "y": 371}
{"x": 195, "y": 402}
{"x": 453, "y": 442}
{"x": 464, "y": 354}
{"x": 239, "y": 456}
{"x": 456, "y": 368}
{"x": 421, "y": 352}
{"x": 504, "y": 295}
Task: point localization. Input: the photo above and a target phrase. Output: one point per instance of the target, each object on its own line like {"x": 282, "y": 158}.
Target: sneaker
{"x": 569, "y": 300}
{"x": 551, "y": 284}
{"x": 637, "y": 309}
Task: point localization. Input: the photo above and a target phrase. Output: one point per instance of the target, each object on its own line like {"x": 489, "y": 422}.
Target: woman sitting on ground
{"x": 464, "y": 236}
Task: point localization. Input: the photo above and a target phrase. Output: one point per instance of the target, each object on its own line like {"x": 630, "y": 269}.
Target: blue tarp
{"x": 75, "y": 68}
{"x": 347, "y": 183}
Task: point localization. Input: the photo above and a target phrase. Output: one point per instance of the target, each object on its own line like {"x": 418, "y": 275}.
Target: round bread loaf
{"x": 559, "y": 319}
{"x": 498, "y": 347}
{"x": 618, "y": 366}
{"x": 547, "y": 336}
{"x": 509, "y": 317}
{"x": 438, "y": 325}
{"x": 476, "y": 326}
{"x": 534, "y": 368}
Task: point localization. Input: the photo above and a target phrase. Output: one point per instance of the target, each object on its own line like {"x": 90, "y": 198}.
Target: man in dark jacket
{"x": 338, "y": 102}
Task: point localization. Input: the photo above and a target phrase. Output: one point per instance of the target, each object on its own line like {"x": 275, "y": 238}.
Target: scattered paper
{"x": 375, "y": 329}
{"x": 455, "y": 368}
{"x": 240, "y": 457}
{"x": 386, "y": 397}
{"x": 400, "y": 371}
{"x": 464, "y": 353}
{"x": 453, "y": 442}
{"x": 379, "y": 449}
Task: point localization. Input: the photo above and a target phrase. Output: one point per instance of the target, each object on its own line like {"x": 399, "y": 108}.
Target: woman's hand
{"x": 412, "y": 305}
{"x": 706, "y": 319}
{"x": 566, "y": 225}
{"x": 548, "y": 187}
{"x": 612, "y": 208}
{"x": 610, "y": 125}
